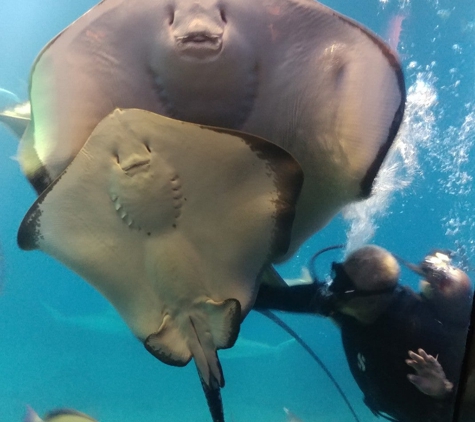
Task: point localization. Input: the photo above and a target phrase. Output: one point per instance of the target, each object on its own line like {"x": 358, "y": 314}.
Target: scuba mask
{"x": 435, "y": 266}
{"x": 342, "y": 287}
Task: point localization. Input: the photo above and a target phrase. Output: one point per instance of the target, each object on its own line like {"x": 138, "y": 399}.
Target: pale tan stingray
{"x": 173, "y": 223}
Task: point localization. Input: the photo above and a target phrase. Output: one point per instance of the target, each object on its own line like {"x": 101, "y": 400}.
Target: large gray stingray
{"x": 291, "y": 71}
{"x": 173, "y": 223}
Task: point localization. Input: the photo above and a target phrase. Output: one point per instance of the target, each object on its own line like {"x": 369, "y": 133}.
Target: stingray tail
{"x": 213, "y": 397}
{"x": 210, "y": 326}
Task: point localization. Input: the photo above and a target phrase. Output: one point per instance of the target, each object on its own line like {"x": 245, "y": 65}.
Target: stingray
{"x": 16, "y": 118}
{"x": 294, "y": 72}
{"x": 59, "y": 415}
{"x": 172, "y": 222}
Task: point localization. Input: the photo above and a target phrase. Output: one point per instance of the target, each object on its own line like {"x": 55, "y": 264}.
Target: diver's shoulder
{"x": 405, "y": 303}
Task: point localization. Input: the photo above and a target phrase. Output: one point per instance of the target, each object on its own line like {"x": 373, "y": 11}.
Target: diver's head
{"x": 448, "y": 288}
{"x": 364, "y": 283}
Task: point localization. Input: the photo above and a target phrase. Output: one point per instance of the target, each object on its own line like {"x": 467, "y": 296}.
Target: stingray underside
{"x": 172, "y": 222}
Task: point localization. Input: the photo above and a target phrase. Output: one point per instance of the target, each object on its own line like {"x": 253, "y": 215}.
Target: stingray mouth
{"x": 200, "y": 44}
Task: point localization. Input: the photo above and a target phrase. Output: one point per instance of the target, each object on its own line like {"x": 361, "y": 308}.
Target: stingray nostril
{"x": 148, "y": 148}
{"x": 223, "y": 15}
{"x": 171, "y": 16}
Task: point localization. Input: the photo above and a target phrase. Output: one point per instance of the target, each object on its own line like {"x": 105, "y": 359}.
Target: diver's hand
{"x": 430, "y": 378}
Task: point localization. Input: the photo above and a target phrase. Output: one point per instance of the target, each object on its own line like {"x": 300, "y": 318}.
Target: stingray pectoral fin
{"x": 224, "y": 321}
{"x": 363, "y": 88}
{"x": 168, "y": 344}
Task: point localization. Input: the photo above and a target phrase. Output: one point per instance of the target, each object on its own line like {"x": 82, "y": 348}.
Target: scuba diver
{"x": 404, "y": 349}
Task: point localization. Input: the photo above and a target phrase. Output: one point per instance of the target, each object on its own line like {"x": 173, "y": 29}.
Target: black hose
{"x": 274, "y": 318}
{"x": 311, "y": 268}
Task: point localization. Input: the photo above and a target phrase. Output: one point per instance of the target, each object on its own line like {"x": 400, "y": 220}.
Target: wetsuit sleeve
{"x": 443, "y": 409}
{"x": 307, "y": 298}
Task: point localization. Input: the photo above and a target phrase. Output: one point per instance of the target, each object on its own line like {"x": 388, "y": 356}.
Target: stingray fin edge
{"x": 168, "y": 344}
{"x": 29, "y": 234}
{"x": 288, "y": 179}
{"x": 66, "y": 412}
{"x": 224, "y": 320}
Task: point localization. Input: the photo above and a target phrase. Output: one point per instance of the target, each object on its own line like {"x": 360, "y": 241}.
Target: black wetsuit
{"x": 376, "y": 352}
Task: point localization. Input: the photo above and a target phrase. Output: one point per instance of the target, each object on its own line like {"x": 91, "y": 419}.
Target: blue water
{"x": 50, "y": 354}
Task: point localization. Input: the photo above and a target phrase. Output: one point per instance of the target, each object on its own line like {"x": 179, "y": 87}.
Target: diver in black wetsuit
{"x": 404, "y": 349}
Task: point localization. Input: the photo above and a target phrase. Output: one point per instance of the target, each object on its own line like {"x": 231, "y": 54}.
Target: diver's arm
{"x": 306, "y": 298}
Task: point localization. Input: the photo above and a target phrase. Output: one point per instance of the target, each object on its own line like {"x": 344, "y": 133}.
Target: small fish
{"x": 60, "y": 415}
{"x": 251, "y": 349}
{"x": 7, "y": 97}
{"x": 291, "y": 417}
